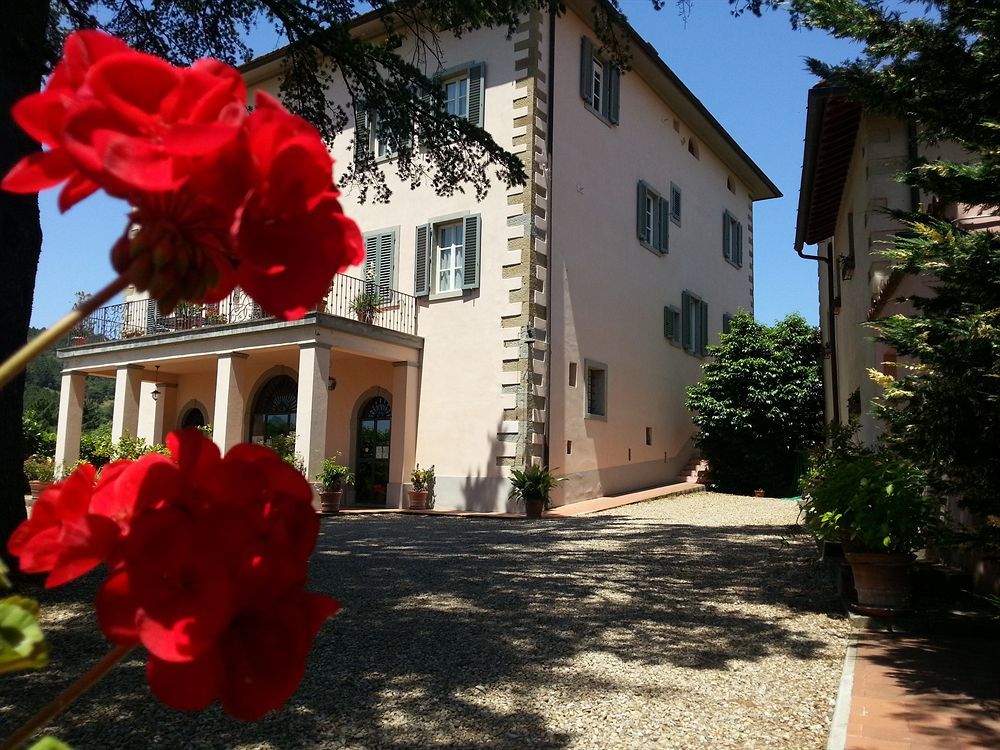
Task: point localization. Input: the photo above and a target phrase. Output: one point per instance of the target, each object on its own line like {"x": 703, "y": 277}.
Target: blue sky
{"x": 748, "y": 71}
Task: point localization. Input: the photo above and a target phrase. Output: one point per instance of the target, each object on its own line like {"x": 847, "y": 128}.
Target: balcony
{"x": 387, "y": 308}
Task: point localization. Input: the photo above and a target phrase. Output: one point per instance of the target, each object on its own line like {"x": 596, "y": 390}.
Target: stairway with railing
{"x": 356, "y": 299}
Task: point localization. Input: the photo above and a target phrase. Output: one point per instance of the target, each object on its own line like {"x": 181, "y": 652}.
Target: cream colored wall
{"x": 609, "y": 291}
{"x": 880, "y": 152}
{"x": 461, "y": 403}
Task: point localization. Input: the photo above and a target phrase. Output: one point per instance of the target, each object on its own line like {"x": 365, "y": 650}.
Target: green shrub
{"x": 38, "y": 440}
{"x": 421, "y": 480}
{"x": 333, "y": 476}
{"x": 39, "y": 468}
{"x": 759, "y": 404}
{"x": 533, "y": 483}
{"x": 869, "y": 499}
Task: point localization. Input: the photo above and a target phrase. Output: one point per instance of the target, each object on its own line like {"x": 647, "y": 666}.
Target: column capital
{"x": 406, "y": 363}
{"x": 233, "y": 355}
{"x": 131, "y": 367}
{"x": 315, "y": 345}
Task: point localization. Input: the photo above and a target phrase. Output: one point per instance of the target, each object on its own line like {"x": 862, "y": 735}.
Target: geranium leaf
{"x": 22, "y": 643}
{"x": 50, "y": 743}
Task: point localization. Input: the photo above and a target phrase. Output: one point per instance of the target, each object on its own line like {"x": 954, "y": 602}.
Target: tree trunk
{"x": 22, "y": 60}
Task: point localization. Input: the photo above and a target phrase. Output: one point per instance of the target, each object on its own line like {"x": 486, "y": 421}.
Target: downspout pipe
{"x": 831, "y": 324}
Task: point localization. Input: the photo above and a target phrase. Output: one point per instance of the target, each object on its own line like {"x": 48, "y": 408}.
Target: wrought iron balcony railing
{"x": 357, "y": 299}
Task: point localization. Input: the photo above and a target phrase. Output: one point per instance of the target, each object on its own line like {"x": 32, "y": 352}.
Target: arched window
{"x": 274, "y": 409}
{"x": 372, "y": 468}
{"x": 193, "y": 417}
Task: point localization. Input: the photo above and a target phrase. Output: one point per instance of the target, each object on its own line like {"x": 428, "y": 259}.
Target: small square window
{"x": 597, "y": 390}
{"x": 649, "y": 436}
{"x": 572, "y": 374}
{"x": 675, "y": 204}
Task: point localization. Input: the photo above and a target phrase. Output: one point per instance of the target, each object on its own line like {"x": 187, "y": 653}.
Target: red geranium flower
{"x": 219, "y": 198}
{"x": 63, "y": 537}
{"x": 258, "y": 664}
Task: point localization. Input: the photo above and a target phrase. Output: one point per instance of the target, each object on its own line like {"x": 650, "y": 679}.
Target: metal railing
{"x": 357, "y": 299}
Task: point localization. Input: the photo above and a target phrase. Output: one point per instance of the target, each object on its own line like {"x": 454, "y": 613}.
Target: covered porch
{"x": 340, "y": 385}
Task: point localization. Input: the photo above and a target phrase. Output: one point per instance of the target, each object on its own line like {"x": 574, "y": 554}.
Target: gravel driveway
{"x": 692, "y": 621}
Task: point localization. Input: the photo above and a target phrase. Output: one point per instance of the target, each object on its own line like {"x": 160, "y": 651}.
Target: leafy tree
{"x": 759, "y": 404}
{"x": 939, "y": 71}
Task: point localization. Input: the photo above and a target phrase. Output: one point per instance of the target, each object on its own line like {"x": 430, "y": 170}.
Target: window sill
{"x": 598, "y": 115}
{"x": 675, "y": 220}
{"x": 453, "y": 294}
{"x": 730, "y": 262}
{"x": 597, "y": 417}
{"x": 653, "y": 250}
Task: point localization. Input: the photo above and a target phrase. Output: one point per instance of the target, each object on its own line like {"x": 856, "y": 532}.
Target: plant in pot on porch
{"x": 332, "y": 478}
{"x": 421, "y": 484}
{"x": 533, "y": 485}
{"x": 366, "y": 305}
{"x": 40, "y": 471}
{"x": 876, "y": 505}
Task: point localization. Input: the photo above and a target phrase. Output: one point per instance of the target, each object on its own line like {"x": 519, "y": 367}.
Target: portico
{"x": 256, "y": 379}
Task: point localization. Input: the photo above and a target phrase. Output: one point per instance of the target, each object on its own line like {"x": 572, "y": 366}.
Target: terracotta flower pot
{"x": 882, "y": 581}
{"x": 330, "y": 501}
{"x": 417, "y": 499}
{"x": 758, "y": 493}
{"x": 533, "y": 507}
{"x": 37, "y": 487}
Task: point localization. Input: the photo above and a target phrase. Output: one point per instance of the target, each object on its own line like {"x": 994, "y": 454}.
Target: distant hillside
{"x": 41, "y": 390}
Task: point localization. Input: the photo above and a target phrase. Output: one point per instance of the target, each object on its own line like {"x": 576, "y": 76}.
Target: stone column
{"x": 230, "y": 400}
{"x": 153, "y": 427}
{"x": 403, "y": 443}
{"x": 125, "y": 418}
{"x": 71, "y": 395}
{"x": 313, "y": 403}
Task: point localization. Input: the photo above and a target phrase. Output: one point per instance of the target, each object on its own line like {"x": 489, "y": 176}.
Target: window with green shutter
{"x": 448, "y": 255}
{"x": 652, "y": 219}
{"x": 672, "y": 324}
{"x": 732, "y": 239}
{"x": 464, "y": 90}
{"x": 694, "y": 323}
{"x": 600, "y": 82}
{"x": 380, "y": 261}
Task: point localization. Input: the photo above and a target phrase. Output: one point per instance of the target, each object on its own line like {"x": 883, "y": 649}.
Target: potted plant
{"x": 40, "y": 471}
{"x": 366, "y": 304}
{"x": 533, "y": 485}
{"x": 421, "y": 483}
{"x": 875, "y": 504}
{"x": 332, "y": 477}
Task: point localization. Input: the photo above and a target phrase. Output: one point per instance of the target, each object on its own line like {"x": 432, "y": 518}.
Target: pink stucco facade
{"x": 497, "y": 375}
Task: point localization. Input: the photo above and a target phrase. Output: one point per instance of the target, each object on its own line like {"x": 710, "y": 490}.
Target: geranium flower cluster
{"x": 221, "y": 197}
{"x": 207, "y": 567}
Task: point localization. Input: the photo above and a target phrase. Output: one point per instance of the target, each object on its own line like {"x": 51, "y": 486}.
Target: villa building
{"x": 558, "y": 322}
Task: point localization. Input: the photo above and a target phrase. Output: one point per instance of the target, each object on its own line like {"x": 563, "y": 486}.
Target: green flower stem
{"x": 66, "y": 698}
{"x": 20, "y": 359}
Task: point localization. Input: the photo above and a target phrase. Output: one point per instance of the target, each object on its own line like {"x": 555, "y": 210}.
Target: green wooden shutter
{"x": 663, "y": 217}
{"x": 738, "y": 244}
{"x": 640, "y": 212}
{"x": 677, "y": 324}
{"x": 703, "y": 328}
{"x": 686, "y": 340}
{"x": 586, "y": 70}
{"x": 473, "y": 232}
{"x": 614, "y": 80}
{"x": 362, "y": 132}
{"x": 477, "y": 93}
{"x": 668, "y": 323}
{"x": 421, "y": 261}
{"x": 371, "y": 254}
{"x": 726, "y": 322}
{"x": 726, "y": 234}
{"x": 386, "y": 272}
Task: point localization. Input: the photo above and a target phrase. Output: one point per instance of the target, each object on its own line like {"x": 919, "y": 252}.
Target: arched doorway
{"x": 272, "y": 418}
{"x": 372, "y": 469}
{"x": 193, "y": 417}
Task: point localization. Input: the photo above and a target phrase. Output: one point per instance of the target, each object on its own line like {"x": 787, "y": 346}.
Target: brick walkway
{"x": 921, "y": 692}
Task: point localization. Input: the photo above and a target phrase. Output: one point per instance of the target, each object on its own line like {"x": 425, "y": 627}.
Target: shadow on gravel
{"x": 438, "y": 612}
